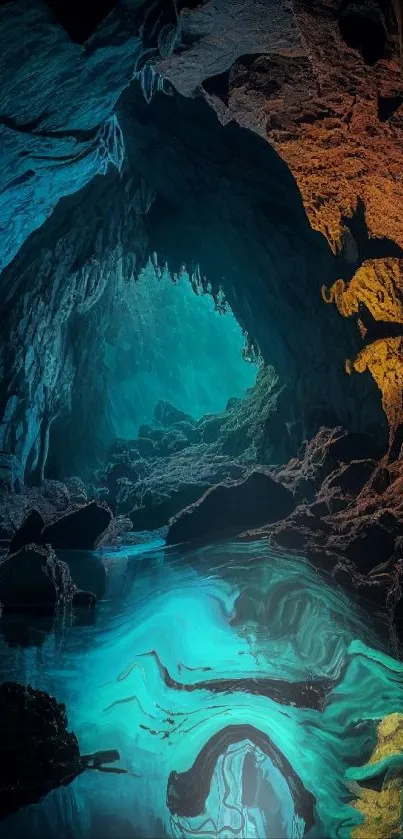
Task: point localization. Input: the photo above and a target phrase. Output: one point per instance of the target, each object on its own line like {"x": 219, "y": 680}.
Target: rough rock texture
{"x": 34, "y": 581}
{"x": 39, "y": 753}
{"x": 249, "y": 199}
{"x": 232, "y": 506}
{"x": 349, "y": 514}
{"x": 171, "y": 465}
{"x": 329, "y": 90}
{"x": 210, "y": 191}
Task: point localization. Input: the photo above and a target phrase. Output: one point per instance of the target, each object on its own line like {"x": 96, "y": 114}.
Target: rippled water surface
{"x": 243, "y": 692}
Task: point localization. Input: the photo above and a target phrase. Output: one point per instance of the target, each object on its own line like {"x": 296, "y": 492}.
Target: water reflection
{"x": 243, "y": 691}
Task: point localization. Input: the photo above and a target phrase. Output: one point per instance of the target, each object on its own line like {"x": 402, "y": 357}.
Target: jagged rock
{"x": 33, "y": 580}
{"x": 29, "y": 533}
{"x": 348, "y": 479}
{"x": 257, "y": 499}
{"x": 168, "y": 415}
{"x": 39, "y": 753}
{"x": 78, "y": 530}
{"x": 370, "y": 542}
{"x": 76, "y": 490}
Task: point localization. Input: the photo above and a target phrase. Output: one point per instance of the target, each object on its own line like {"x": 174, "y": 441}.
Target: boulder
{"x": 29, "y": 533}
{"x": 78, "y": 530}
{"x": 251, "y": 502}
{"x": 30, "y": 580}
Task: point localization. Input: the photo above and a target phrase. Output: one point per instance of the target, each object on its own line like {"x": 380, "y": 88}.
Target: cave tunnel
{"x": 201, "y": 414}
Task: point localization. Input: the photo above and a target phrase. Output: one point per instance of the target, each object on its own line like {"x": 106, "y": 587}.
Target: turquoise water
{"x": 240, "y": 688}
{"x": 166, "y": 342}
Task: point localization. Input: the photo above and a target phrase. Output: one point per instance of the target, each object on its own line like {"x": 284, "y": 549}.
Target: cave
{"x": 201, "y": 419}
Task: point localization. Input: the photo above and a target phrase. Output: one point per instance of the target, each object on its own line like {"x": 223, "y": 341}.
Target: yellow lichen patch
{"x": 378, "y": 284}
{"x": 390, "y": 738}
{"x": 384, "y": 360}
{"x": 382, "y": 810}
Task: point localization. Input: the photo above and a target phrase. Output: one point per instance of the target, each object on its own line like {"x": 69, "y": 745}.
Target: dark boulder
{"x": 252, "y": 502}
{"x": 78, "y": 530}
{"x": 29, "y": 581}
{"x": 29, "y": 533}
{"x": 39, "y": 753}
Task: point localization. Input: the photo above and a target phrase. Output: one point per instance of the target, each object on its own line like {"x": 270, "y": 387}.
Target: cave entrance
{"x": 169, "y": 343}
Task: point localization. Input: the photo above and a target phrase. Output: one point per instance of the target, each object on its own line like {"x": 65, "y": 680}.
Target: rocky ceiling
{"x": 258, "y": 141}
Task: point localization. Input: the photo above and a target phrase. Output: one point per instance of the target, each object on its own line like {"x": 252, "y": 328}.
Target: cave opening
{"x": 362, "y": 26}
{"x": 168, "y": 342}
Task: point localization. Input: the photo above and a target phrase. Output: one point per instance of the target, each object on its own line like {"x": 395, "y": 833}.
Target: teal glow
{"x": 166, "y": 342}
{"x": 182, "y": 606}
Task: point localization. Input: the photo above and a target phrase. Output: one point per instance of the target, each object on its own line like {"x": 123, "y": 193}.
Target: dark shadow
{"x": 387, "y": 106}
{"x": 378, "y": 329}
{"x": 80, "y": 18}
{"x": 218, "y": 86}
{"x": 25, "y": 630}
{"x": 368, "y": 247}
{"x": 362, "y": 28}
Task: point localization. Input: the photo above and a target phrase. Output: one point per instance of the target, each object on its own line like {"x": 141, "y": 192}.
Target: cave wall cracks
{"x": 223, "y": 136}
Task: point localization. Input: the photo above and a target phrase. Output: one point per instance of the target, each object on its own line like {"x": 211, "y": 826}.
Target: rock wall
{"x": 204, "y": 182}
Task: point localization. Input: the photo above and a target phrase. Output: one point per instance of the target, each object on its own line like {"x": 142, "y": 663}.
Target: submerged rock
{"x": 80, "y": 529}
{"x": 254, "y": 501}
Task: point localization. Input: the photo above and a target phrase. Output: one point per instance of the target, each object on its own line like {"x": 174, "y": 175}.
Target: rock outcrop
{"x": 39, "y": 753}
{"x": 78, "y": 530}
{"x": 228, "y": 508}
{"x": 349, "y": 514}
{"x": 34, "y": 581}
